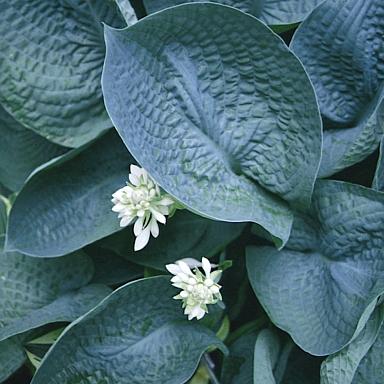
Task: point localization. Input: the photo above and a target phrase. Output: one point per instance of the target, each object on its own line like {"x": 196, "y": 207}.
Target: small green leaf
{"x": 66, "y": 204}
{"x": 232, "y": 139}
{"x": 323, "y": 285}
{"x": 136, "y": 335}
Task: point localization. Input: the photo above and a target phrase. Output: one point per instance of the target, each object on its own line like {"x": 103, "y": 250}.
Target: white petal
{"x": 125, "y": 221}
{"x": 206, "y": 266}
{"x": 134, "y": 179}
{"x": 154, "y": 227}
{"x": 184, "y": 267}
{"x": 216, "y": 276}
{"x": 138, "y": 227}
{"x": 192, "y": 263}
{"x": 200, "y": 313}
{"x": 158, "y": 216}
{"x": 173, "y": 268}
{"x": 166, "y": 201}
{"x": 135, "y": 170}
{"x": 142, "y": 240}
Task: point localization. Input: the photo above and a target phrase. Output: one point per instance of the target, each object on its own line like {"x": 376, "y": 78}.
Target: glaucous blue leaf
{"x": 273, "y": 12}
{"x": 66, "y": 204}
{"x": 51, "y": 57}
{"x": 323, "y": 285}
{"x": 341, "y": 45}
{"x": 224, "y": 119}
{"x": 136, "y": 335}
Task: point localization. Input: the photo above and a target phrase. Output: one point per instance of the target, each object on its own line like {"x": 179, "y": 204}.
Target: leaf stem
{"x": 210, "y": 365}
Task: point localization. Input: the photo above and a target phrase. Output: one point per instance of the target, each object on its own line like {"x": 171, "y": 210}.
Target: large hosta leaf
{"x": 185, "y": 235}
{"x": 137, "y": 335}
{"x": 343, "y": 367}
{"x": 12, "y": 357}
{"x": 224, "y": 119}
{"x": 321, "y": 287}
{"x": 51, "y": 57}
{"x": 34, "y": 292}
{"x": 341, "y": 45}
{"x": 21, "y": 151}
{"x": 66, "y": 204}
{"x": 378, "y": 181}
{"x": 270, "y": 11}
{"x": 371, "y": 368}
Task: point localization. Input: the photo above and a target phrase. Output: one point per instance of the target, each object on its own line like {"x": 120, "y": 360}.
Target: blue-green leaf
{"x": 137, "y": 335}
{"x": 21, "y": 151}
{"x": 35, "y": 292}
{"x": 343, "y": 367}
{"x": 224, "y": 119}
{"x": 378, "y": 181}
{"x": 66, "y": 204}
{"x": 322, "y": 287}
{"x": 51, "y": 57}
{"x": 341, "y": 45}
{"x": 273, "y": 12}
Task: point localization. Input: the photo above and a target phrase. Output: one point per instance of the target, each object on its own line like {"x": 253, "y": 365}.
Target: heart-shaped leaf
{"x": 321, "y": 287}
{"x": 51, "y": 57}
{"x": 34, "y": 292}
{"x": 343, "y": 367}
{"x": 341, "y": 45}
{"x": 66, "y": 204}
{"x": 21, "y": 151}
{"x": 186, "y": 235}
{"x": 273, "y": 12}
{"x": 224, "y": 119}
{"x": 137, "y": 335}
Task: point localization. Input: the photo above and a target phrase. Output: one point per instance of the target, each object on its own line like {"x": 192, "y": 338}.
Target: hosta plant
{"x": 192, "y": 192}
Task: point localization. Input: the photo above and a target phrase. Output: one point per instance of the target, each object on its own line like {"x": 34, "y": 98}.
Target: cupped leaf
{"x": 4, "y": 205}
{"x": 137, "y": 335}
{"x": 21, "y": 151}
{"x": 66, "y": 204}
{"x": 51, "y": 57}
{"x": 224, "y": 119}
{"x": 322, "y": 287}
{"x": 34, "y": 292}
{"x": 341, "y": 45}
{"x": 371, "y": 369}
{"x": 185, "y": 235}
{"x": 12, "y": 357}
{"x": 273, "y": 12}
{"x": 342, "y": 367}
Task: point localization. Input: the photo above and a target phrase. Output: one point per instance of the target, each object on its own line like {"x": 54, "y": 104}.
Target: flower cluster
{"x": 198, "y": 289}
{"x": 141, "y": 201}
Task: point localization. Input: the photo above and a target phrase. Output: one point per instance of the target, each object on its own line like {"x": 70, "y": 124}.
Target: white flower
{"x": 197, "y": 289}
{"x": 141, "y": 201}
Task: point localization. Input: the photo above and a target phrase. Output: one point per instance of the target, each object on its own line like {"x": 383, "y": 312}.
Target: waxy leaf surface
{"x": 224, "y": 119}
{"x": 51, "y": 57}
{"x": 323, "y": 285}
{"x": 67, "y": 204}
{"x": 341, "y": 45}
{"x": 138, "y": 334}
